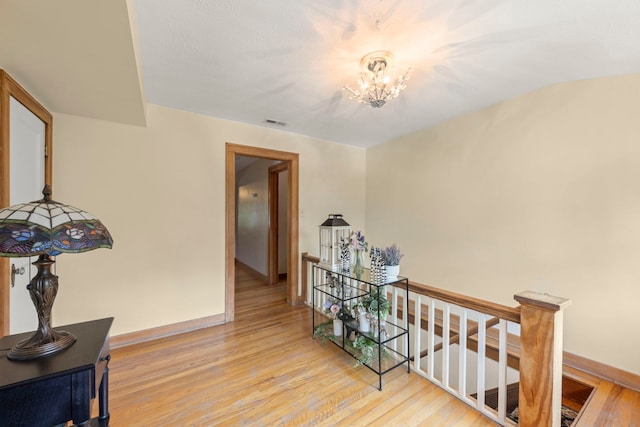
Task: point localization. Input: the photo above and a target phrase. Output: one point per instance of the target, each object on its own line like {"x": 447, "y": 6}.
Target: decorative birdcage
{"x": 334, "y": 230}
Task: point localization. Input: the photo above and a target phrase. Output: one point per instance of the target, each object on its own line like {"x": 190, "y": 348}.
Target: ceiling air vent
{"x": 274, "y": 122}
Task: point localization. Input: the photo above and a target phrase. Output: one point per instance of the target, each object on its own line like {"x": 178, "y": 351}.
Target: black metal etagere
{"x": 387, "y": 335}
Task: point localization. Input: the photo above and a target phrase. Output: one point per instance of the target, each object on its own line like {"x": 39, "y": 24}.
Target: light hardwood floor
{"x": 264, "y": 369}
{"x": 610, "y": 405}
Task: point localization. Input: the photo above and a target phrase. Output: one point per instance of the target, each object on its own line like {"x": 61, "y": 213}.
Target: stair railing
{"x": 465, "y": 367}
{"x": 472, "y": 347}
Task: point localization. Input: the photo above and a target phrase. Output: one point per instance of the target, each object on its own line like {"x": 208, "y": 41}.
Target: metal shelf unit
{"x": 389, "y": 334}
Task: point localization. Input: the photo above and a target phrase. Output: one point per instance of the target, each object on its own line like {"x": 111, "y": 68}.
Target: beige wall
{"x": 541, "y": 192}
{"x": 160, "y": 191}
{"x": 252, "y": 223}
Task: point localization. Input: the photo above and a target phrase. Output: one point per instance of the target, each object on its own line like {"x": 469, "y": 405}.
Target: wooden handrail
{"x": 497, "y": 310}
{"x": 310, "y": 258}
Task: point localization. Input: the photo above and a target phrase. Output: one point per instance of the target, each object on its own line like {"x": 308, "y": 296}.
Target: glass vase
{"x": 358, "y": 266}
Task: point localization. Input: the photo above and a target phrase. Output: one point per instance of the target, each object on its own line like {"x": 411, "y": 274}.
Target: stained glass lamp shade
{"x": 46, "y": 228}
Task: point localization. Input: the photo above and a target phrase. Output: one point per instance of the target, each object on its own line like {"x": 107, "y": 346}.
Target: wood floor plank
{"x": 612, "y": 405}
{"x": 609, "y": 405}
{"x": 264, "y": 369}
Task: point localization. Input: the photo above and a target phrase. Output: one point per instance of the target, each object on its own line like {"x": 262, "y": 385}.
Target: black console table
{"x": 56, "y": 389}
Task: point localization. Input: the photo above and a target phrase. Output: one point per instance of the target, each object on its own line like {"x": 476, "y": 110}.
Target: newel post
{"x": 540, "y": 396}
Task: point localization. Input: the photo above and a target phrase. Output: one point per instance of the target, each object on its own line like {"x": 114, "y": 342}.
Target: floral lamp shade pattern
{"x": 49, "y": 227}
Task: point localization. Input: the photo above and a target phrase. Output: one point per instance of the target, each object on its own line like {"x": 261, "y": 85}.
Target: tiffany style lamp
{"x": 47, "y": 228}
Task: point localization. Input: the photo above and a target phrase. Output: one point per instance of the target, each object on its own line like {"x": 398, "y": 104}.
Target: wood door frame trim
{"x": 292, "y": 160}
{"x": 10, "y": 88}
{"x": 272, "y": 250}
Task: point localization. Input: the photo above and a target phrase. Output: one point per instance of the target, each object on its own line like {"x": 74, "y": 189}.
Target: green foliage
{"x": 324, "y": 332}
{"x": 375, "y": 301}
{"x": 365, "y": 350}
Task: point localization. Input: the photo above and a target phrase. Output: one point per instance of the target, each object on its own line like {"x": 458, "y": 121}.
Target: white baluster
{"x": 431, "y": 339}
{"x": 462, "y": 355}
{"x": 502, "y": 370}
{"x": 417, "y": 332}
{"x": 394, "y": 313}
{"x": 482, "y": 340}
{"x": 446, "y": 326}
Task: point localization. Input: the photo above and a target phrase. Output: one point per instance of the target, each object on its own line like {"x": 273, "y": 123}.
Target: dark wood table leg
{"x": 104, "y": 394}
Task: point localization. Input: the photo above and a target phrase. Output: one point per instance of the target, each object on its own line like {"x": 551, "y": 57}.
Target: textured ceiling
{"x": 249, "y": 60}
{"x": 287, "y": 60}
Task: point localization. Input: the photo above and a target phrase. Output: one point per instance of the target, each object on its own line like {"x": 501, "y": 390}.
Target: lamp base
{"x": 45, "y": 340}
{"x": 39, "y": 346}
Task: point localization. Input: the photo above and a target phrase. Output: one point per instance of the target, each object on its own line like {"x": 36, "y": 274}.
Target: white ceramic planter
{"x": 363, "y": 323}
{"x": 337, "y": 327}
{"x": 392, "y": 271}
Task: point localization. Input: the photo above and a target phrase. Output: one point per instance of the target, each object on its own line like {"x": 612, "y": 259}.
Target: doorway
{"x": 11, "y": 90}
{"x": 277, "y": 248}
{"x": 26, "y": 182}
{"x": 261, "y": 217}
{"x": 291, "y": 161}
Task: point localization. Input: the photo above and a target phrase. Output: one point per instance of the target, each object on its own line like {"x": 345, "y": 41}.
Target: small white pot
{"x": 337, "y": 327}
{"x": 363, "y": 323}
{"x": 392, "y": 271}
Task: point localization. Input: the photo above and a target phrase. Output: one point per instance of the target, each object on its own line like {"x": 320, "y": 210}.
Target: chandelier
{"x": 374, "y": 88}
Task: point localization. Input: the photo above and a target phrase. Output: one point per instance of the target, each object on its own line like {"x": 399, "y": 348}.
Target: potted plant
{"x": 338, "y": 316}
{"x": 333, "y": 308}
{"x": 377, "y": 307}
{"x": 391, "y": 256}
{"x": 363, "y": 316}
{"x": 376, "y": 303}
